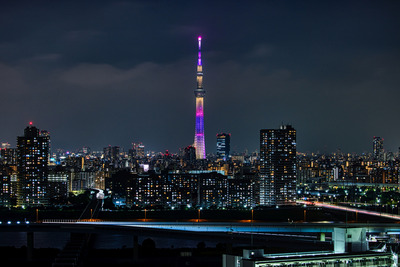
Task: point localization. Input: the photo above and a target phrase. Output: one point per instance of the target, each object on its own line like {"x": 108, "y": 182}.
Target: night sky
{"x": 99, "y": 73}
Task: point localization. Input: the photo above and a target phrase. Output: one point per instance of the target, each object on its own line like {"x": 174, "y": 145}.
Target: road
{"x": 348, "y": 209}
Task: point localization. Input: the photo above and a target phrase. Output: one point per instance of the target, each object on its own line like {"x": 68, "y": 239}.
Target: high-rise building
{"x": 7, "y": 156}
{"x": 46, "y": 135}
{"x": 32, "y": 158}
{"x": 199, "y": 142}
{"x": 111, "y": 153}
{"x": 57, "y": 184}
{"x": 189, "y": 155}
{"x": 138, "y": 150}
{"x": 5, "y": 184}
{"x": 223, "y": 145}
{"x": 278, "y": 166}
{"x": 377, "y": 147}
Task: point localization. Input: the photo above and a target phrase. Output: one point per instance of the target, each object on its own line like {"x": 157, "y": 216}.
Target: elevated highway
{"x": 194, "y": 227}
{"x": 307, "y": 236}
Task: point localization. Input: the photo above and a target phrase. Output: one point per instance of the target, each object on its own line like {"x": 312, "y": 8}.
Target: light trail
{"x": 343, "y": 208}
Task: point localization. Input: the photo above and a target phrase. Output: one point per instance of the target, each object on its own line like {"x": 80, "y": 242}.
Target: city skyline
{"x": 215, "y": 152}
{"x": 121, "y": 72}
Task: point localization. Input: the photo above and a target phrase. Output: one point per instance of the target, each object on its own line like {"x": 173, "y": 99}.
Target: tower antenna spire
{"x": 199, "y": 54}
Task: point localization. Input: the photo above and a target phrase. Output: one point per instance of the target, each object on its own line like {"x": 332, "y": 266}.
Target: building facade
{"x": 278, "y": 166}
{"x": 5, "y": 186}
{"x": 350, "y": 249}
{"x": 32, "y": 158}
{"x": 377, "y": 148}
{"x": 223, "y": 146}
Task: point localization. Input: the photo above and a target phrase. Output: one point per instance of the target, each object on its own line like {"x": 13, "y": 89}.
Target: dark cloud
{"x": 115, "y": 72}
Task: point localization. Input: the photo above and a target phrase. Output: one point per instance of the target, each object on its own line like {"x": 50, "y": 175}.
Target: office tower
{"x": 278, "y": 166}
{"x": 199, "y": 142}
{"x": 189, "y": 155}
{"x": 377, "y": 147}
{"x": 138, "y": 150}
{"x": 223, "y": 146}
{"x": 32, "y": 157}
{"x": 111, "y": 153}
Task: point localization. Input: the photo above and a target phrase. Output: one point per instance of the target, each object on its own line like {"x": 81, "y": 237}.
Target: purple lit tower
{"x": 199, "y": 142}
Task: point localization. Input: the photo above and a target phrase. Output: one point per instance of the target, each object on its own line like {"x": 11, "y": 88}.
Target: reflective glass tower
{"x": 223, "y": 145}
{"x": 199, "y": 142}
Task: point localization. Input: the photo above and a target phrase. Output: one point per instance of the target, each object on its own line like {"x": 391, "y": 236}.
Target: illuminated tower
{"x": 199, "y": 142}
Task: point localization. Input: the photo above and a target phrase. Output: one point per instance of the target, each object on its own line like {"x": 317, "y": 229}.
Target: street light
{"x": 252, "y": 213}
{"x": 198, "y": 218}
{"x": 145, "y": 215}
